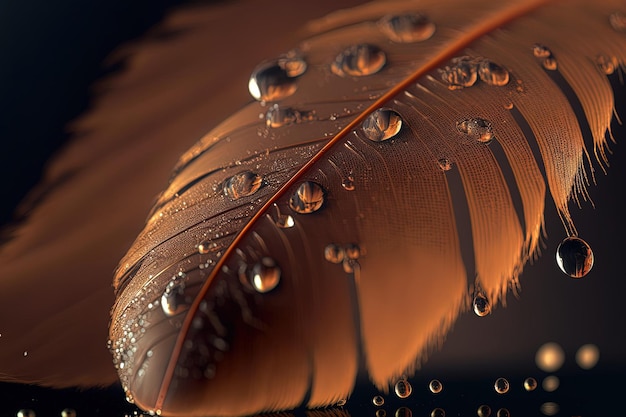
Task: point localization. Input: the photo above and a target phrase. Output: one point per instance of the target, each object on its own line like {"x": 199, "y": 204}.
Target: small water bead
{"x": 438, "y": 412}
{"x": 264, "y": 275}
{"x": 530, "y": 384}
{"x": 492, "y": 73}
{"x": 352, "y": 251}
{"x": 481, "y": 305}
{"x": 378, "y": 400}
{"x": 206, "y": 247}
{"x": 476, "y": 128}
{"x": 308, "y": 198}
{"x": 285, "y": 221}
{"x": 618, "y": 21}
{"x": 550, "y": 63}
{"x": 403, "y": 388}
{"x": 359, "y": 60}
{"x": 242, "y": 184}
{"x": 501, "y": 386}
{"x": 276, "y": 80}
{"x": 173, "y": 300}
{"x": 541, "y": 51}
{"x": 382, "y": 124}
{"x": 403, "y": 412}
{"x": 575, "y": 257}
{"x": 407, "y": 28}
{"x": 462, "y": 73}
{"x": 444, "y": 164}
{"x": 341, "y": 403}
{"x": 550, "y": 383}
{"x": 278, "y": 116}
{"x": 334, "y": 253}
{"x": 607, "y": 64}
{"x": 68, "y": 412}
{"x": 26, "y": 413}
{"x": 503, "y": 412}
{"x": 435, "y": 386}
{"x": 483, "y": 411}
{"x": 348, "y": 183}
{"x": 380, "y": 413}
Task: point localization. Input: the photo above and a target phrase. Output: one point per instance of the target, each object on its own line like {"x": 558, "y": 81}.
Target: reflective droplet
{"x": 618, "y": 21}
{"x": 348, "y": 183}
{"x": 481, "y": 305}
{"x": 462, "y": 73}
{"x": 444, "y": 164}
{"x": 173, "y": 300}
{"x": 381, "y": 124}
{"x": 575, "y": 257}
{"x": 483, "y": 411}
{"x": 333, "y": 253}
{"x": 308, "y": 198}
{"x": 341, "y": 403}
{"x": 541, "y": 51}
{"x": 530, "y": 384}
{"x": 404, "y": 412}
{"x": 492, "y": 73}
{"x": 407, "y": 28}
{"x": 206, "y": 247}
{"x": 476, "y": 128}
{"x": 378, "y": 400}
{"x": 68, "y": 412}
{"x": 381, "y": 413}
{"x": 438, "y": 412}
{"x": 501, "y": 386}
{"x": 26, "y": 413}
{"x": 278, "y": 116}
{"x": 550, "y": 357}
{"x": 587, "y": 356}
{"x": 285, "y": 221}
{"x": 359, "y": 60}
{"x": 242, "y": 184}
{"x": 607, "y": 64}
{"x": 403, "y": 388}
{"x": 550, "y": 383}
{"x": 550, "y": 63}
{"x": 352, "y": 251}
{"x": 549, "y": 409}
{"x": 503, "y": 412}
{"x": 435, "y": 386}
{"x": 264, "y": 276}
{"x": 275, "y": 80}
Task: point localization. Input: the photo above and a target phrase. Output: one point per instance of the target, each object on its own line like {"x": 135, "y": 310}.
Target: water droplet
{"x": 481, "y": 305}
{"x": 264, "y": 276}
{"x": 275, "y": 80}
{"x": 26, "y": 413}
{"x": 501, "y": 386}
{"x": 549, "y": 409}
{"x": 438, "y": 412}
{"x": 341, "y": 403}
{"x": 173, "y": 300}
{"x": 242, "y": 184}
{"x": 541, "y": 51}
{"x": 483, "y": 411}
{"x": 403, "y": 388}
{"x": 508, "y": 106}
{"x": 348, "y": 183}
{"x": 492, "y": 73}
{"x": 550, "y": 357}
{"x": 618, "y": 21}
{"x": 550, "y": 63}
{"x": 503, "y": 412}
{"x": 68, "y": 412}
{"x": 550, "y": 383}
{"x": 308, "y": 198}
{"x": 380, "y": 413}
{"x": 359, "y": 60}
{"x": 280, "y": 116}
{"x": 575, "y": 257}
{"x": 476, "y": 128}
{"x": 461, "y": 74}
{"x": 206, "y": 247}
{"x": 435, "y": 386}
{"x": 333, "y": 253}
{"x": 530, "y": 384}
{"x": 587, "y": 356}
{"x": 403, "y": 412}
{"x": 407, "y": 28}
{"x": 607, "y": 64}
{"x": 285, "y": 221}
{"x": 352, "y": 251}
{"x": 381, "y": 124}
{"x": 378, "y": 400}
{"x": 444, "y": 164}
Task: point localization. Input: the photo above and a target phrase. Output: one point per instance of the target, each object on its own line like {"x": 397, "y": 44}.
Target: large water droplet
{"x": 483, "y": 411}
{"x": 476, "y": 128}
{"x": 359, "y": 60}
{"x": 607, "y": 64}
{"x": 381, "y": 124}
{"x": 334, "y": 253}
{"x": 618, "y": 21}
{"x": 378, "y": 400}
{"x": 462, "y": 73}
{"x": 407, "y": 28}
{"x": 309, "y": 197}
{"x": 403, "y": 388}
{"x": 575, "y": 257}
{"x": 173, "y": 300}
{"x": 435, "y": 386}
{"x": 242, "y": 184}
{"x": 481, "y": 305}
{"x": 530, "y": 384}
{"x": 501, "y": 386}
{"x": 275, "y": 80}
{"x": 492, "y": 73}
{"x": 264, "y": 275}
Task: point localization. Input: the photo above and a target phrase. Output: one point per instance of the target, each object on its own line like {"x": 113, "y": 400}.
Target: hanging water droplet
{"x": 309, "y": 197}
{"x": 381, "y": 124}
{"x": 264, "y": 275}
{"x": 501, "y": 386}
{"x": 476, "y": 128}
{"x": 492, "y": 73}
{"x": 444, "y": 164}
{"x": 68, "y": 412}
{"x": 359, "y": 60}
{"x": 242, "y": 184}
{"x": 550, "y": 63}
{"x": 285, "y": 221}
{"x": 333, "y": 253}
{"x": 173, "y": 300}
{"x": 438, "y": 412}
{"x": 483, "y": 411}
{"x": 348, "y": 183}
{"x": 403, "y": 388}
{"x": 26, "y": 413}
{"x": 275, "y": 80}
{"x": 607, "y": 64}
{"x": 530, "y": 384}
{"x": 575, "y": 257}
{"x": 435, "y": 386}
{"x": 407, "y": 28}
{"x": 503, "y": 412}
{"x": 378, "y": 400}
{"x": 618, "y": 21}
{"x": 481, "y": 305}
{"x": 462, "y": 73}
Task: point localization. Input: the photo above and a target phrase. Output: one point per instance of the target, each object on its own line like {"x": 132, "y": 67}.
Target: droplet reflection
{"x": 575, "y": 257}
{"x": 435, "y": 386}
{"x": 359, "y": 60}
{"x": 308, "y": 198}
{"x": 403, "y": 388}
{"x": 381, "y": 124}
{"x": 530, "y": 384}
{"x": 407, "y": 28}
{"x": 501, "y": 386}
